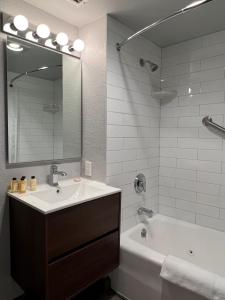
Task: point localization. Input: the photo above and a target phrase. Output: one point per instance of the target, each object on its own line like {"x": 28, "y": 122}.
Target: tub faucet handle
{"x": 140, "y": 183}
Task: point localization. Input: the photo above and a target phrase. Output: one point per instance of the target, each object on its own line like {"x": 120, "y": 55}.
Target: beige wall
{"x": 94, "y": 96}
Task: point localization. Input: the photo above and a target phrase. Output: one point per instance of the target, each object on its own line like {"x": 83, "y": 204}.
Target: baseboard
{"x": 122, "y": 297}
{"x": 22, "y": 297}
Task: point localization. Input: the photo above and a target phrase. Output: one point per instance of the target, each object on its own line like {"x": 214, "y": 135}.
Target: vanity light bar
{"x": 19, "y": 26}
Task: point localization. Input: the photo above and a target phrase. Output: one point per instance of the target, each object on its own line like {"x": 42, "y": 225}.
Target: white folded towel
{"x": 189, "y": 276}
{"x": 219, "y": 289}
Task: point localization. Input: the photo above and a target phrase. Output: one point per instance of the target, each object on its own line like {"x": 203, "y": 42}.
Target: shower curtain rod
{"x": 189, "y": 7}
{"x": 32, "y": 71}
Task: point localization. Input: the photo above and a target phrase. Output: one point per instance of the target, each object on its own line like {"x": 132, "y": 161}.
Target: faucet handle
{"x": 140, "y": 183}
{"x": 54, "y": 168}
{"x": 139, "y": 211}
{"x": 143, "y": 185}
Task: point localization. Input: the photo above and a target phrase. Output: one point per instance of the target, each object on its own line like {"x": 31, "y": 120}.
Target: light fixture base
{"x": 78, "y": 3}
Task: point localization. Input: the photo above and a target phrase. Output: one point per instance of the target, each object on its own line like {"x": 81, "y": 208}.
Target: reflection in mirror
{"x": 44, "y": 104}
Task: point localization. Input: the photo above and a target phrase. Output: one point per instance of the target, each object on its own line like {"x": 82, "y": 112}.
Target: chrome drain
{"x": 143, "y": 233}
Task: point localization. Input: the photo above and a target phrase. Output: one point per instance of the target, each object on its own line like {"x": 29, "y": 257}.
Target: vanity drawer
{"x": 71, "y": 274}
{"x": 73, "y": 227}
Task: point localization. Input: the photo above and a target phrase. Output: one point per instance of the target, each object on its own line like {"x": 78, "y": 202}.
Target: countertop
{"x": 48, "y": 199}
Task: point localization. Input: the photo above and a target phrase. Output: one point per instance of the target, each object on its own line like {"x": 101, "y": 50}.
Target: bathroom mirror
{"x": 43, "y": 104}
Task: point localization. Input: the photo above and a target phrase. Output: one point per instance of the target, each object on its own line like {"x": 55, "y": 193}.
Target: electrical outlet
{"x": 88, "y": 168}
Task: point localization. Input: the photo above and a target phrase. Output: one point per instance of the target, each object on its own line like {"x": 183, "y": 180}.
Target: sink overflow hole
{"x": 190, "y": 252}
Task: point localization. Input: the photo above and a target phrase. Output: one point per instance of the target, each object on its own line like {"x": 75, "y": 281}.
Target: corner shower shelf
{"x": 207, "y": 121}
{"x": 52, "y": 108}
{"x": 166, "y": 95}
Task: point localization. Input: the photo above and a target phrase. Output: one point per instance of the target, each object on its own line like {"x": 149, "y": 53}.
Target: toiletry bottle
{"x": 23, "y": 184}
{"x": 14, "y": 185}
{"x": 19, "y": 183}
{"x": 33, "y": 183}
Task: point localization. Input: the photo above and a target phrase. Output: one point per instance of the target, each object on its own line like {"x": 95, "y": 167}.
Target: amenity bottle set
{"x": 20, "y": 186}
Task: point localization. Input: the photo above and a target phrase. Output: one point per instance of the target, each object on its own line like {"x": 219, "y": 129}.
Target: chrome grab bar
{"x": 207, "y": 121}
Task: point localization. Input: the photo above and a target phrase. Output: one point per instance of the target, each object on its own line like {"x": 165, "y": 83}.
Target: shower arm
{"x": 160, "y": 21}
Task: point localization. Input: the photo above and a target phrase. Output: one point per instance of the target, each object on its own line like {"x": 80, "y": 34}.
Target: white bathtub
{"x": 138, "y": 278}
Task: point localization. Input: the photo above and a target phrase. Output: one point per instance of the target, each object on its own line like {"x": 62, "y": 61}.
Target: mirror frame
{"x": 38, "y": 162}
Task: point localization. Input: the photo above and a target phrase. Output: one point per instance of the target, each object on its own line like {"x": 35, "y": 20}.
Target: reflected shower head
{"x": 154, "y": 67}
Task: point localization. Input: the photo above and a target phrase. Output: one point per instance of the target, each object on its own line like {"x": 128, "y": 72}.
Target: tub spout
{"x": 145, "y": 211}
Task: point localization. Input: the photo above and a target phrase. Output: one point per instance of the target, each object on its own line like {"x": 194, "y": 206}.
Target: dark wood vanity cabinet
{"x": 55, "y": 256}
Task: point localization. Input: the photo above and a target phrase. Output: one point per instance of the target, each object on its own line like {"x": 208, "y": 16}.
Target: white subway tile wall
{"x": 192, "y": 157}
{"x": 133, "y": 118}
{"x": 30, "y": 127}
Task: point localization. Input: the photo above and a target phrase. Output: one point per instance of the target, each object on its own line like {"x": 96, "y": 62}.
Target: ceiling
{"x": 139, "y": 13}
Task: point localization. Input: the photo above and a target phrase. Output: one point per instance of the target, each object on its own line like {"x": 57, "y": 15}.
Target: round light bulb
{"x": 15, "y": 47}
{"x": 30, "y": 37}
{"x": 43, "y": 31}
{"x": 78, "y": 45}
{"x": 49, "y": 44}
{"x": 62, "y": 39}
{"x": 20, "y": 22}
{"x": 7, "y": 28}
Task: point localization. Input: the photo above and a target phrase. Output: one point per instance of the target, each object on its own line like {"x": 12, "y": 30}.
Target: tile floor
{"x": 99, "y": 291}
{"x": 86, "y": 297}
{"x": 100, "y": 297}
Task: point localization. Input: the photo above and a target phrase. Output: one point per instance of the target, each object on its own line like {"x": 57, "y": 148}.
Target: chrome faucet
{"x": 145, "y": 211}
{"x": 53, "y": 178}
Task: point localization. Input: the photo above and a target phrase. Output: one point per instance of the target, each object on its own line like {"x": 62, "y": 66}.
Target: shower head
{"x": 154, "y": 67}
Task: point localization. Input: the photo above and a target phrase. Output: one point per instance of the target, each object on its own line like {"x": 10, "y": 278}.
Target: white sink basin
{"x": 48, "y": 199}
{"x": 64, "y": 193}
